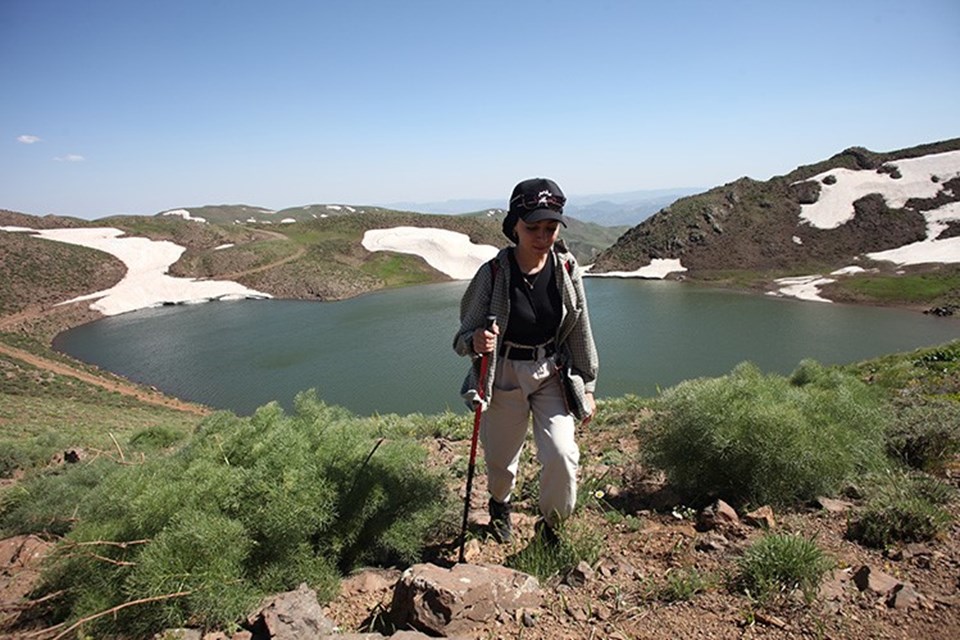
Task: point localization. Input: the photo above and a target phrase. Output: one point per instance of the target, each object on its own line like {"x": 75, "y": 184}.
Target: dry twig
{"x": 119, "y": 607}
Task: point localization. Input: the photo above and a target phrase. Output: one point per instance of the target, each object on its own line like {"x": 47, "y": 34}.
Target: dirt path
{"x": 124, "y": 388}
{"x": 295, "y": 256}
{"x": 35, "y": 312}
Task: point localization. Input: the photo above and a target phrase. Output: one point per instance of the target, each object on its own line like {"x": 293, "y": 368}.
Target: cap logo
{"x": 543, "y": 197}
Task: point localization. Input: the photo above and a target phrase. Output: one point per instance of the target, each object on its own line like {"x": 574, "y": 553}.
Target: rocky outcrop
{"x": 448, "y": 602}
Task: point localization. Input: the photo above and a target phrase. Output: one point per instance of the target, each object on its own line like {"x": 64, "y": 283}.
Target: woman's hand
{"x": 592, "y": 405}
{"x": 485, "y": 341}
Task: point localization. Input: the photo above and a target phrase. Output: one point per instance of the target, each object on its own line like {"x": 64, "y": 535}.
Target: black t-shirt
{"x": 535, "y": 305}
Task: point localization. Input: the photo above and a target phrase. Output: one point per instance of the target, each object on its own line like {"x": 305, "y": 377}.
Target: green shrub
{"x": 780, "y": 563}
{"x": 925, "y": 435}
{"x": 902, "y": 507}
{"x": 156, "y": 437}
{"x": 48, "y": 503}
{"x": 248, "y": 506}
{"x": 766, "y": 439}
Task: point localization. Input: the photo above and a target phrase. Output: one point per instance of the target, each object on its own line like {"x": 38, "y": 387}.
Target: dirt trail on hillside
{"x": 299, "y": 253}
{"x": 127, "y": 389}
{"x": 33, "y": 313}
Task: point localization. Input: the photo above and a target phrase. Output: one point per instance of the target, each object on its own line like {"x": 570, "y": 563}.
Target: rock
{"x": 369, "y": 580}
{"x": 946, "y": 600}
{"x": 718, "y": 514}
{"x": 179, "y": 634}
{"x": 527, "y": 619}
{"x": 833, "y": 506}
{"x": 443, "y": 601}
{"x": 904, "y": 596}
{"x": 712, "y": 542}
{"x": 943, "y": 312}
{"x": 291, "y": 616}
{"x": 770, "y": 620}
{"x": 20, "y": 565}
{"x": 471, "y": 550}
{"x": 579, "y": 575}
{"x": 761, "y": 518}
{"x": 875, "y": 581}
{"x": 606, "y": 567}
{"x": 832, "y": 588}
{"x": 577, "y": 613}
{"x": 807, "y": 192}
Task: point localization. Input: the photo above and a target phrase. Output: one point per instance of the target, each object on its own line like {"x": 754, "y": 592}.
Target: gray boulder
{"x": 291, "y": 616}
{"x": 448, "y": 602}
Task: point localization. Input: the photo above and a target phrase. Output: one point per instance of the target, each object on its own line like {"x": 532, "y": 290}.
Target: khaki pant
{"x": 522, "y": 388}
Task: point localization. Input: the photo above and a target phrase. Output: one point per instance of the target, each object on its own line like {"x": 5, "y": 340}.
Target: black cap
{"x": 534, "y": 200}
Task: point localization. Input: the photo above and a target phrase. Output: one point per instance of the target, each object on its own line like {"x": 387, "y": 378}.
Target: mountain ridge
{"x": 758, "y": 226}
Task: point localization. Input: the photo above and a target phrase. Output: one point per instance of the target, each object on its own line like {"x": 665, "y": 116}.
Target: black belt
{"x": 527, "y": 353}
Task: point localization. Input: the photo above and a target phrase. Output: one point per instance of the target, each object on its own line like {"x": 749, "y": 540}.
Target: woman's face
{"x": 537, "y": 236}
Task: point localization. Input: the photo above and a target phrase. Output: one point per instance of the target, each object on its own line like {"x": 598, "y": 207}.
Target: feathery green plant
{"x": 248, "y": 506}
{"x": 767, "y": 439}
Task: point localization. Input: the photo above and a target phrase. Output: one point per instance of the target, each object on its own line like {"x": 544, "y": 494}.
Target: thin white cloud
{"x": 70, "y": 157}
{"x": 28, "y": 139}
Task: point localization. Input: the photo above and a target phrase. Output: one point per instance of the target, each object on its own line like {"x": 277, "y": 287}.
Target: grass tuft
{"x": 777, "y": 564}
{"x": 902, "y": 507}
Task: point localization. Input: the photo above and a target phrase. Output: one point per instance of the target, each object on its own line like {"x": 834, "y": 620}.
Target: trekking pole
{"x": 484, "y": 363}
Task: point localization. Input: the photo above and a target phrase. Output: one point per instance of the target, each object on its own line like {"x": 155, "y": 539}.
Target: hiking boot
{"x": 500, "y": 527}
{"x": 546, "y": 533}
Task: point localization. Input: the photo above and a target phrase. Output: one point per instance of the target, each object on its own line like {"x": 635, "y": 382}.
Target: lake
{"x": 390, "y": 352}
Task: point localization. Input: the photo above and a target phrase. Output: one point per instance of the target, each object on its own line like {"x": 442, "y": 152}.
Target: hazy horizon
{"x": 115, "y": 107}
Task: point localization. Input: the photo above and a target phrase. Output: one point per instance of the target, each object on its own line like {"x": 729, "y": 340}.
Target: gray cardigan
{"x": 490, "y": 294}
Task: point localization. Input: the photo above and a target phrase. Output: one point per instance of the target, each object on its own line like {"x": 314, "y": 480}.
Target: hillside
{"x": 585, "y": 238}
{"x": 752, "y": 232}
{"x": 314, "y": 253}
{"x": 657, "y": 565}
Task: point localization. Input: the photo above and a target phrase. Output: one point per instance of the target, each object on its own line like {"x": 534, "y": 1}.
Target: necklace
{"x": 531, "y": 278}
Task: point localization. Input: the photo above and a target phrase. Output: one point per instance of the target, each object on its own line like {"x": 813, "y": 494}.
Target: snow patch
{"x": 183, "y": 213}
{"x": 835, "y": 204}
{"x": 802, "y": 287}
{"x": 446, "y": 251}
{"x": 848, "y": 271}
{"x": 146, "y": 283}
{"x": 659, "y": 268}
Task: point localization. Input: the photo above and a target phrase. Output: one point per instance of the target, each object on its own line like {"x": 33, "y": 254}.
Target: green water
{"x": 390, "y": 352}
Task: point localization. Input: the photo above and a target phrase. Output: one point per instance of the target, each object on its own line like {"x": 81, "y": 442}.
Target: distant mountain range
{"x": 609, "y": 209}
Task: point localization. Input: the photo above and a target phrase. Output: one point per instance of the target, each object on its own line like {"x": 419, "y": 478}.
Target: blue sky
{"x": 121, "y": 106}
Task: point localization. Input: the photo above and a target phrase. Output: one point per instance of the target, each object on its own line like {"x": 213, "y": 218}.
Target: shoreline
{"x": 147, "y": 283}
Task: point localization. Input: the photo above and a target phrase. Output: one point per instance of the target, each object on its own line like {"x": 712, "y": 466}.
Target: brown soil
{"x": 623, "y": 599}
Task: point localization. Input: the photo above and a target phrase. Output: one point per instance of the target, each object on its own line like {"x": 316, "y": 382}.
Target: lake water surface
{"x": 390, "y": 352}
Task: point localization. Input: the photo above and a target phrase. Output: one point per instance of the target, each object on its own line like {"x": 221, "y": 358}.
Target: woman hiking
{"x": 542, "y": 357}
